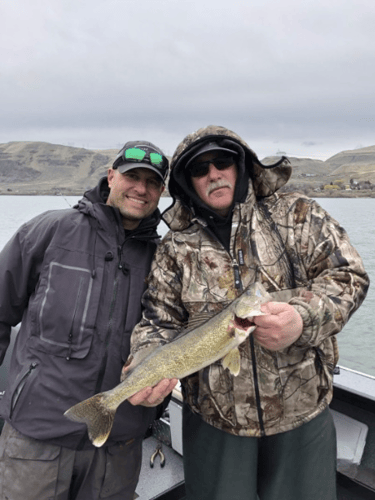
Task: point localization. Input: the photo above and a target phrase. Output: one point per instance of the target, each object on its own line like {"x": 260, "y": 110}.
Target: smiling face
{"x": 135, "y": 193}
{"x": 216, "y": 188}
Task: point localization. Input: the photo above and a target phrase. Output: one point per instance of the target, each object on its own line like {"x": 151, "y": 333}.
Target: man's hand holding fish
{"x": 154, "y": 396}
{"x": 279, "y": 328}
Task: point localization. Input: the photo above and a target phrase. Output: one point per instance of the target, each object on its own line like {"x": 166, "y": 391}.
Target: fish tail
{"x": 96, "y": 414}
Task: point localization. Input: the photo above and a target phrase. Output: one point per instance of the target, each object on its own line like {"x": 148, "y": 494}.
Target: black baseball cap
{"x": 209, "y": 146}
{"x": 141, "y": 154}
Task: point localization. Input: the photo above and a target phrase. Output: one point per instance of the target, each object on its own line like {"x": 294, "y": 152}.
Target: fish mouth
{"x": 243, "y": 323}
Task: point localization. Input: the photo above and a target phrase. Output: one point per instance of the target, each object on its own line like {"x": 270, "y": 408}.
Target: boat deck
{"x": 159, "y": 480}
{"x": 353, "y": 406}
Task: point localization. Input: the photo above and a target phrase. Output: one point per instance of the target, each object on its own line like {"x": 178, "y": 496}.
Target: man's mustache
{"x": 218, "y": 184}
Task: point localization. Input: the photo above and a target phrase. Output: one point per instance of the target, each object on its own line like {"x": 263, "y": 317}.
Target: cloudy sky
{"x": 295, "y": 76}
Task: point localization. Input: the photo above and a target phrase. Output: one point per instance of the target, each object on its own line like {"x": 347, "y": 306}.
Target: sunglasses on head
{"x": 201, "y": 168}
{"x": 143, "y": 155}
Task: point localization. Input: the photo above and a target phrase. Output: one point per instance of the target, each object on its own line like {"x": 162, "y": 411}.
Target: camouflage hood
{"x": 266, "y": 179}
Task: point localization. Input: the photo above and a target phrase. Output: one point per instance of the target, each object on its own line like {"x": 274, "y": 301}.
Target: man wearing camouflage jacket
{"x": 268, "y": 431}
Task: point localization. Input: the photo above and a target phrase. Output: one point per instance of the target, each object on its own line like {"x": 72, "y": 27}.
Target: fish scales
{"x": 184, "y": 357}
{"x": 217, "y": 338}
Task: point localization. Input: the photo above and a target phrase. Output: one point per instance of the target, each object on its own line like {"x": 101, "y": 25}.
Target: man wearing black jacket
{"x": 74, "y": 280}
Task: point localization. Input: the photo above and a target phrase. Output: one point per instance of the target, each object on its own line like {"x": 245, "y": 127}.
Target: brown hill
{"x": 44, "y": 168}
{"x": 303, "y": 167}
{"x": 356, "y": 165}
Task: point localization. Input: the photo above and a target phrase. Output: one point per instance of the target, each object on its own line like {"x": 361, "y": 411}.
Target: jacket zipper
{"x": 256, "y": 386}
{"x": 70, "y": 336}
{"x": 21, "y": 384}
{"x": 239, "y": 286}
{"x": 103, "y": 365}
{"x": 106, "y": 340}
{"x": 237, "y": 275}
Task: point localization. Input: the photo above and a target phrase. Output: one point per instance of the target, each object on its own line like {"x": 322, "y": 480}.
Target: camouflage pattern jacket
{"x": 302, "y": 256}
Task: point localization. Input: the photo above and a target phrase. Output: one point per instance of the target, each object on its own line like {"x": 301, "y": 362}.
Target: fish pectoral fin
{"x": 232, "y": 361}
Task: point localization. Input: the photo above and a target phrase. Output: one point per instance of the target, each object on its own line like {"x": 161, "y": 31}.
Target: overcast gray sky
{"x": 295, "y": 76}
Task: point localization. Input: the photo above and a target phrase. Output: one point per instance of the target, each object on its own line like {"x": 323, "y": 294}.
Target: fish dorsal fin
{"x": 232, "y": 361}
{"x": 194, "y": 322}
{"x": 198, "y": 320}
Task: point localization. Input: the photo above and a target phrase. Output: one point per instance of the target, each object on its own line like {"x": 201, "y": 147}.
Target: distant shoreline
{"x": 312, "y": 194}
{"x": 45, "y": 169}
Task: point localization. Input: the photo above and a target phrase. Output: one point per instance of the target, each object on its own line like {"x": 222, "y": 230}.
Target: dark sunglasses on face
{"x": 200, "y": 169}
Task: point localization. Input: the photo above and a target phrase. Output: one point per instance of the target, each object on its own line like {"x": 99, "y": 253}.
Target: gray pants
{"x": 296, "y": 465}
{"x": 34, "y": 470}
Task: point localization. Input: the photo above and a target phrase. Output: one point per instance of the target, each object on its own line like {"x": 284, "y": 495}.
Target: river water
{"x": 356, "y": 215}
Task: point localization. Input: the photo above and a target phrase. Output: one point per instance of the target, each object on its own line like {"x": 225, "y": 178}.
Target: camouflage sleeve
{"x": 164, "y": 314}
{"x": 338, "y": 282}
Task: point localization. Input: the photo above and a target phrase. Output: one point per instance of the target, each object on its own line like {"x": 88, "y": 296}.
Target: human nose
{"x": 141, "y": 186}
{"x": 213, "y": 172}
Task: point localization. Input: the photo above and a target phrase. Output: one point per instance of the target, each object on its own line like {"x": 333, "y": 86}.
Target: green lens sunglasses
{"x": 139, "y": 155}
{"x": 143, "y": 154}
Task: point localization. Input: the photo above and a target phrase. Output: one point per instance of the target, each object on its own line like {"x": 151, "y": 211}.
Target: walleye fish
{"x": 216, "y": 338}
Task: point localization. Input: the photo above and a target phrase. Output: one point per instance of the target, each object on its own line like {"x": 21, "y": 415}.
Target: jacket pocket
{"x": 20, "y": 384}
{"x": 300, "y": 384}
{"x": 64, "y": 318}
{"x": 29, "y": 467}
